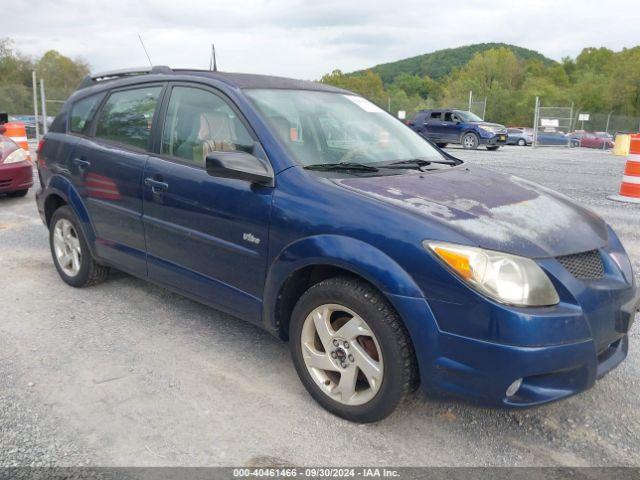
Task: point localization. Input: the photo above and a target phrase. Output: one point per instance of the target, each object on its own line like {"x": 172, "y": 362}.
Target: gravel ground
{"x": 128, "y": 374}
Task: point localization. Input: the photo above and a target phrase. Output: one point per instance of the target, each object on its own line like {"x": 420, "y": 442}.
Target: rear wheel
{"x": 351, "y": 350}
{"x": 522, "y": 142}
{"x": 70, "y": 252}
{"x": 442, "y": 145}
{"x": 470, "y": 141}
{"x": 493, "y": 148}
{"x": 18, "y": 193}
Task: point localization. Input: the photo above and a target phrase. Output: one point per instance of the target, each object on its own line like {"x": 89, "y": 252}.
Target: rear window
{"x": 127, "y": 115}
{"x": 82, "y": 111}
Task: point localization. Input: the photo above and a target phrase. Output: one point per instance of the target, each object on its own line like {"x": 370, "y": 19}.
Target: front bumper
{"x": 493, "y": 139}
{"x": 482, "y": 370}
{"x": 16, "y": 176}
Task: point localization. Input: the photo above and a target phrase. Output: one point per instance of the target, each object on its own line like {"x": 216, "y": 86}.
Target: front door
{"x": 206, "y": 236}
{"x": 107, "y": 166}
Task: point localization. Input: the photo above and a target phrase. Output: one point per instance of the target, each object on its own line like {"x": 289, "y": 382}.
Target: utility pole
{"x": 35, "y": 103}
{"x": 470, "y": 99}
{"x": 45, "y": 128}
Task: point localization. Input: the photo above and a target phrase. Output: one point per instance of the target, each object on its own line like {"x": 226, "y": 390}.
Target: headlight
{"x": 624, "y": 264}
{"x": 490, "y": 129}
{"x": 16, "y": 156}
{"x": 506, "y": 278}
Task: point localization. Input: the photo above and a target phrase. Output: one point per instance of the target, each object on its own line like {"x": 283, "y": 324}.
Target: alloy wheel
{"x": 469, "y": 141}
{"x": 66, "y": 245}
{"x": 342, "y": 354}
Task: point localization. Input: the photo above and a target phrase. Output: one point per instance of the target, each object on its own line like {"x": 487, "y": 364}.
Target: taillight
{"x": 40, "y": 158}
{"x": 40, "y": 145}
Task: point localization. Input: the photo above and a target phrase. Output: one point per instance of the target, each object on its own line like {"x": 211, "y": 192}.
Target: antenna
{"x": 145, "y": 50}
{"x": 213, "y": 65}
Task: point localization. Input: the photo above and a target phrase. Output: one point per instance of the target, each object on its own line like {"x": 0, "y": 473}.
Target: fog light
{"x": 513, "y": 388}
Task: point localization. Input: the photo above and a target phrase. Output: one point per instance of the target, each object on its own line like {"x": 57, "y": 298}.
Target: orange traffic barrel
{"x": 17, "y": 132}
{"x": 630, "y": 186}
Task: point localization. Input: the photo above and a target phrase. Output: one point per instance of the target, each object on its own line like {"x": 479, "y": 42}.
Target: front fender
{"x": 61, "y": 186}
{"x": 348, "y": 253}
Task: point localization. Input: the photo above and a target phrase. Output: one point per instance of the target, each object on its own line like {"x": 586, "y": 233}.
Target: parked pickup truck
{"x": 457, "y": 126}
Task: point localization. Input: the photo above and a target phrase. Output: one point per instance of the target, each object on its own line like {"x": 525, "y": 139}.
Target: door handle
{"x": 81, "y": 162}
{"x": 156, "y": 185}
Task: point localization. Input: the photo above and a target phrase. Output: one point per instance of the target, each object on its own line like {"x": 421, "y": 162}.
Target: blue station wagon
{"x": 388, "y": 264}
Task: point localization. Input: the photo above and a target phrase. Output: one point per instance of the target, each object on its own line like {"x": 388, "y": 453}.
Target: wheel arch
{"x": 60, "y": 192}
{"x": 311, "y": 260}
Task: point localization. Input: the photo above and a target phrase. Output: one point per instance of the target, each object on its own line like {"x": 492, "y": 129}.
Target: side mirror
{"x": 240, "y": 166}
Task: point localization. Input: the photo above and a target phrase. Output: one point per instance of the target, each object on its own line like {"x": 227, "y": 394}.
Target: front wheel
{"x": 70, "y": 252}
{"x": 351, "y": 350}
{"x": 470, "y": 141}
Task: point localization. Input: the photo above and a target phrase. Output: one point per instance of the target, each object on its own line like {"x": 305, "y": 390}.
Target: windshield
{"x": 327, "y": 128}
{"x": 468, "y": 116}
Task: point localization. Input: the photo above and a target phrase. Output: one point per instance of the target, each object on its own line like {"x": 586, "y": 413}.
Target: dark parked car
{"x": 553, "y": 138}
{"x": 517, "y": 136}
{"x": 305, "y": 209}
{"x": 16, "y": 174}
{"x": 456, "y": 126}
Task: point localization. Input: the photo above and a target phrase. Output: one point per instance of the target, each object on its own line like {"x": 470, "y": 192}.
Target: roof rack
{"x": 91, "y": 79}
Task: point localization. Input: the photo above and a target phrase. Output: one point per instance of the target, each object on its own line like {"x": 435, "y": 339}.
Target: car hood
{"x": 492, "y": 210}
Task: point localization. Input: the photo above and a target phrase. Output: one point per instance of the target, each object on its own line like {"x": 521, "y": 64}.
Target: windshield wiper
{"x": 342, "y": 166}
{"x": 417, "y": 162}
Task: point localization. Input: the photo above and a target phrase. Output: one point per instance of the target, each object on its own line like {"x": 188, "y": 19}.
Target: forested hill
{"x": 440, "y": 63}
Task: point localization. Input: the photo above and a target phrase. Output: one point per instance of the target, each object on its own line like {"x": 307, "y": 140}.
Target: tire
{"x": 394, "y": 373}
{"x": 80, "y": 270}
{"x": 18, "y": 193}
{"x": 470, "y": 141}
{"x": 442, "y": 145}
{"x": 522, "y": 142}
{"x": 493, "y": 148}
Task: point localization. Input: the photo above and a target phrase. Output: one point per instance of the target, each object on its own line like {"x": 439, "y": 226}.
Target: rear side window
{"x": 82, "y": 111}
{"x": 127, "y": 115}
{"x": 436, "y": 115}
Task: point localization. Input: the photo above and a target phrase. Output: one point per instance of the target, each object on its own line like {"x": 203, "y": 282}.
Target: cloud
{"x": 305, "y": 38}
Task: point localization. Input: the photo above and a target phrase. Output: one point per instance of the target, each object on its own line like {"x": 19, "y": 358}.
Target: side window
{"x": 435, "y": 116}
{"x": 82, "y": 111}
{"x": 449, "y": 117}
{"x": 199, "y": 122}
{"x": 126, "y": 116}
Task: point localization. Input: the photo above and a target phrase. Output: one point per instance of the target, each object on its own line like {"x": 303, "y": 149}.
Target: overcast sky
{"x": 307, "y": 38}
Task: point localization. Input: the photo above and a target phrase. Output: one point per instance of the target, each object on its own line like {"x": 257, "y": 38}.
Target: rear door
{"x": 205, "y": 236}
{"x": 433, "y": 125}
{"x": 107, "y": 166}
{"x": 451, "y": 127}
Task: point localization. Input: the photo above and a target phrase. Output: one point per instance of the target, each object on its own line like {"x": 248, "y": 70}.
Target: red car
{"x": 600, "y": 140}
{"x": 16, "y": 174}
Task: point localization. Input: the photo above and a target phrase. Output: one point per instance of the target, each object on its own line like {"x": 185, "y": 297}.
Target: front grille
{"x": 584, "y": 266}
{"x": 5, "y": 183}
